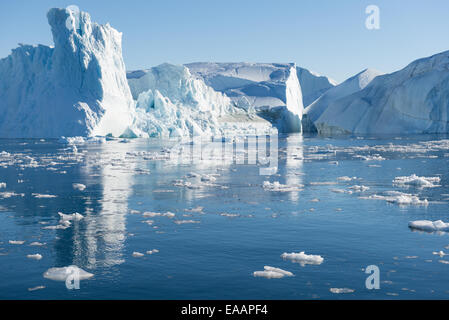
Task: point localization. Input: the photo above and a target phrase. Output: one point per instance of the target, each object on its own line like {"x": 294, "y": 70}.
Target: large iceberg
{"x": 354, "y": 84}
{"x": 413, "y": 100}
{"x": 76, "y": 88}
{"x": 172, "y": 103}
{"x": 271, "y": 90}
{"x": 313, "y": 85}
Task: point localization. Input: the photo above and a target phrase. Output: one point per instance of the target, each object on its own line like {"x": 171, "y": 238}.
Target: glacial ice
{"x": 303, "y": 258}
{"x": 354, "y": 84}
{"x": 414, "y": 180}
{"x": 341, "y": 290}
{"x": 172, "y": 103}
{"x": 313, "y": 85}
{"x": 76, "y": 88}
{"x": 272, "y": 273}
{"x": 61, "y": 274}
{"x": 270, "y": 90}
{"x": 36, "y": 256}
{"x": 413, "y": 100}
{"x": 429, "y": 226}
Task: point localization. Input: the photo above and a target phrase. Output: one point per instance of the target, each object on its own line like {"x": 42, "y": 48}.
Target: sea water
{"x": 154, "y": 227}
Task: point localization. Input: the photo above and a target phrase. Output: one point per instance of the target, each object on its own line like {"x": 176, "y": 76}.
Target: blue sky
{"x": 326, "y": 36}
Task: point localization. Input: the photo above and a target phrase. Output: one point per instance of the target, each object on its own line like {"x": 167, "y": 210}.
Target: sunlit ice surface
{"x": 154, "y": 226}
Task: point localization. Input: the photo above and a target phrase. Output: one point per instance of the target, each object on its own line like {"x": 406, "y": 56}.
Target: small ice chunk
{"x": 16, "y": 242}
{"x": 429, "y": 226}
{"x": 36, "y": 256}
{"x": 420, "y": 182}
{"x": 358, "y": 188}
{"x": 69, "y": 217}
{"x": 341, "y": 290}
{"x": 137, "y": 254}
{"x": 439, "y": 253}
{"x": 346, "y": 178}
{"x": 278, "y": 187}
{"x": 272, "y": 273}
{"x": 2, "y": 185}
{"x": 79, "y": 186}
{"x": 37, "y": 244}
{"x": 36, "y": 288}
{"x": 303, "y": 258}
{"x": 61, "y": 274}
{"x": 43, "y": 196}
{"x": 185, "y": 221}
{"x": 153, "y": 251}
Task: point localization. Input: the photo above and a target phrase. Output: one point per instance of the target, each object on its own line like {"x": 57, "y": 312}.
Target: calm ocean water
{"x": 226, "y": 225}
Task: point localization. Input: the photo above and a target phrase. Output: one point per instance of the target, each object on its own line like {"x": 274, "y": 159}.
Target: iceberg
{"x": 413, "y": 100}
{"x": 354, "y": 84}
{"x": 313, "y": 85}
{"x": 76, "y": 88}
{"x": 172, "y": 103}
{"x": 270, "y": 90}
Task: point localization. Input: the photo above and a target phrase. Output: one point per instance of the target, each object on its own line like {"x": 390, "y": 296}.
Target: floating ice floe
{"x": 36, "y": 288}
{"x": 303, "y": 258}
{"x": 70, "y": 217}
{"x": 358, "y": 188}
{"x": 61, "y": 274}
{"x": 37, "y": 244}
{"x": 443, "y": 261}
{"x": 197, "y": 209}
{"x": 43, "y": 196}
{"x": 7, "y": 195}
{"x": 185, "y": 221}
{"x": 429, "y": 226}
{"x": 2, "y": 185}
{"x": 229, "y": 215}
{"x": 16, "y": 242}
{"x": 345, "y": 178}
{"x": 137, "y": 254}
{"x": 439, "y": 253}
{"x": 399, "y": 198}
{"x": 36, "y": 256}
{"x": 79, "y": 186}
{"x": 272, "y": 273}
{"x": 375, "y": 157}
{"x": 341, "y": 290}
{"x": 153, "y": 251}
{"x": 157, "y": 214}
{"x": 414, "y": 180}
{"x": 278, "y": 187}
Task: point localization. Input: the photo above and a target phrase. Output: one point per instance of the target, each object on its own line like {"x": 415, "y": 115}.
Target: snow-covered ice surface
{"x": 271, "y": 90}
{"x": 413, "y": 100}
{"x": 192, "y": 221}
{"x": 76, "y": 88}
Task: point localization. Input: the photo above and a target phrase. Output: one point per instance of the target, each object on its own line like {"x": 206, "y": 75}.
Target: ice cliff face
{"x": 77, "y": 88}
{"x": 333, "y": 95}
{"x": 271, "y": 90}
{"x": 173, "y": 103}
{"x": 313, "y": 85}
{"x": 412, "y": 100}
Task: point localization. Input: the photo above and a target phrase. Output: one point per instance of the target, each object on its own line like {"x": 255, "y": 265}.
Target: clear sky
{"x": 327, "y": 36}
